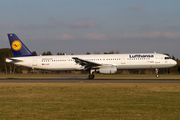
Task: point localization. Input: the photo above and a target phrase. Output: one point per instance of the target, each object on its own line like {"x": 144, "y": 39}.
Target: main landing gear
{"x": 157, "y": 72}
{"x": 91, "y": 74}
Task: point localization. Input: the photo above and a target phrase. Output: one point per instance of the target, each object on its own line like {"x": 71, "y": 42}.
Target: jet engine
{"x": 108, "y": 70}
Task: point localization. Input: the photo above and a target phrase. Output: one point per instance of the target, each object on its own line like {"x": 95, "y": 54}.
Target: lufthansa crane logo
{"x": 16, "y": 45}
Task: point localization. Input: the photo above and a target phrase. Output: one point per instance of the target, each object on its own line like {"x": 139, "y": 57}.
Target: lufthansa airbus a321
{"x": 101, "y": 63}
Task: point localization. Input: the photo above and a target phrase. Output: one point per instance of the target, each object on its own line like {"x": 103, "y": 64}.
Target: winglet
{"x": 17, "y": 47}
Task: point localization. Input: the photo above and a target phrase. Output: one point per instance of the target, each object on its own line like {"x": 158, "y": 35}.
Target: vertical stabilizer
{"x": 17, "y": 47}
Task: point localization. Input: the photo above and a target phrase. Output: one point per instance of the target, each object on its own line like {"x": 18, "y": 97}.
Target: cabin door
{"x": 123, "y": 61}
{"x": 157, "y": 59}
{"x": 34, "y": 63}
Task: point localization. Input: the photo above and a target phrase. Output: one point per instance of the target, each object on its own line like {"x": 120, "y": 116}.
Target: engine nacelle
{"x": 108, "y": 70}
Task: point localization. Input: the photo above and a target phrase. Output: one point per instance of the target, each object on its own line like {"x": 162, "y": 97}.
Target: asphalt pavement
{"x": 93, "y": 81}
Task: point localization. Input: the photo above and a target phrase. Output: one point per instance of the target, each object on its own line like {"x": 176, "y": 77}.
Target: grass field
{"x": 85, "y": 101}
{"x": 76, "y": 76}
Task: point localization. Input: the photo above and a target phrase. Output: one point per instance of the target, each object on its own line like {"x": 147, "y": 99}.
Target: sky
{"x": 81, "y": 26}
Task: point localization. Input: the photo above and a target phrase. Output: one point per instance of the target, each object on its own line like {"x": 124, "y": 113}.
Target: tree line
{"x": 8, "y": 68}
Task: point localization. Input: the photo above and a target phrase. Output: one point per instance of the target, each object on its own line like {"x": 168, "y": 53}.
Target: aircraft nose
{"x": 174, "y": 62}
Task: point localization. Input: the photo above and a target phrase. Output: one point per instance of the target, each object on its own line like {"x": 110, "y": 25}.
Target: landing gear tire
{"x": 157, "y": 76}
{"x": 91, "y": 76}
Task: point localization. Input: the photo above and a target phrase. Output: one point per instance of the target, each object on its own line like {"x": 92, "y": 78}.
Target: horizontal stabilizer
{"x": 13, "y": 60}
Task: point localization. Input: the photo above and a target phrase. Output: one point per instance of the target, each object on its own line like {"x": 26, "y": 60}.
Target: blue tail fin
{"x": 17, "y": 47}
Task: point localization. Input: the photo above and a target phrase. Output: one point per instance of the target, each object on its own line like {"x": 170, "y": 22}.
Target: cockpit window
{"x": 167, "y": 58}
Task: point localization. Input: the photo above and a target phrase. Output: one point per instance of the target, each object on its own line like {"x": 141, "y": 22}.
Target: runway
{"x": 92, "y": 81}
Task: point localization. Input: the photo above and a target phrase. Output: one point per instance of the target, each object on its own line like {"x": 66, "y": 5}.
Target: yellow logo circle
{"x": 16, "y": 45}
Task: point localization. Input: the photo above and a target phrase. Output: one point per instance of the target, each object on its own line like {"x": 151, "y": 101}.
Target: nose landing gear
{"x": 157, "y": 72}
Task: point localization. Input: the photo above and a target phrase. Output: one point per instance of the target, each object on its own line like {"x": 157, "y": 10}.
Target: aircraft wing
{"x": 87, "y": 64}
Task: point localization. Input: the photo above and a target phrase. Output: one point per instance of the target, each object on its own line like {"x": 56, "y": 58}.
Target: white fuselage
{"x": 122, "y": 61}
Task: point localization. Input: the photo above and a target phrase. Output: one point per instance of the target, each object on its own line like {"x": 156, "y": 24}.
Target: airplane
{"x": 98, "y": 63}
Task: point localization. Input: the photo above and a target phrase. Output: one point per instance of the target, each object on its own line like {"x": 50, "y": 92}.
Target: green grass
{"x": 85, "y": 101}
{"x": 97, "y": 76}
